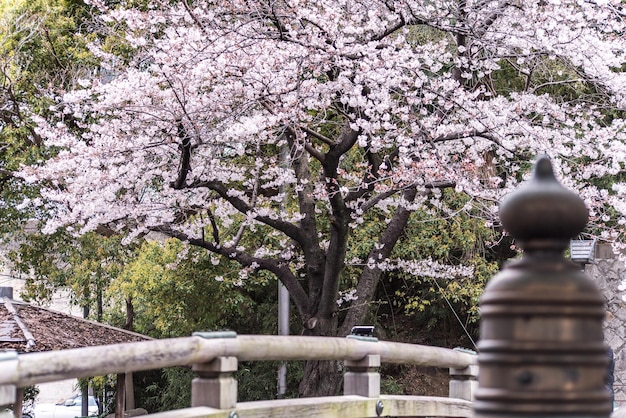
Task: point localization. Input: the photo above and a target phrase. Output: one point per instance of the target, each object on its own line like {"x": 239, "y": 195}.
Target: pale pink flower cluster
{"x": 223, "y": 101}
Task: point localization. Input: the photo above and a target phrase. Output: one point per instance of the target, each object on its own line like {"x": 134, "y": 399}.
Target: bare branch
{"x": 277, "y": 266}
{"x": 185, "y": 160}
{"x": 285, "y": 227}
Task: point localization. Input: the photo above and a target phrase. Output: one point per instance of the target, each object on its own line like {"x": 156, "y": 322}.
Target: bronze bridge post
{"x": 541, "y": 348}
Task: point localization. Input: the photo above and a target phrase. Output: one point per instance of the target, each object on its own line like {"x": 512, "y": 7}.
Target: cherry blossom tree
{"x": 266, "y": 131}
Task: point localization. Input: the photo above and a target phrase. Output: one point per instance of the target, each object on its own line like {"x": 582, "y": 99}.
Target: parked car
{"x": 66, "y": 408}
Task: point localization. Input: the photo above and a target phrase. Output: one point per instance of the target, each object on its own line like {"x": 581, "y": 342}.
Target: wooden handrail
{"x": 148, "y": 355}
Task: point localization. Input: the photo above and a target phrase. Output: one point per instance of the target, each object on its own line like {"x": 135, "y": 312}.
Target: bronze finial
{"x": 541, "y": 347}
{"x": 542, "y": 212}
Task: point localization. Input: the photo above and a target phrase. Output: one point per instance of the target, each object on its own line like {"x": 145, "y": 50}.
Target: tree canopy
{"x": 269, "y": 133}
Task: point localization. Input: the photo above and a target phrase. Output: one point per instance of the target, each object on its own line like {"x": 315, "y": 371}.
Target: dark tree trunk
{"x": 100, "y": 306}
{"x": 321, "y": 378}
{"x": 130, "y": 314}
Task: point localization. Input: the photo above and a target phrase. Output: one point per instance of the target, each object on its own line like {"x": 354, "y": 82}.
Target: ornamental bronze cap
{"x": 542, "y": 209}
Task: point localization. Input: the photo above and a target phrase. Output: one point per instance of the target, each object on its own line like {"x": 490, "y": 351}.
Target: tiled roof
{"x": 28, "y": 328}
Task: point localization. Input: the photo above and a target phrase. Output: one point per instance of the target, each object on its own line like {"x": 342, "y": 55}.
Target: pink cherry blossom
{"x": 299, "y": 117}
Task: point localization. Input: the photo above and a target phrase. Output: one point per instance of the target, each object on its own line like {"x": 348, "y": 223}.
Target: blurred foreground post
{"x": 541, "y": 352}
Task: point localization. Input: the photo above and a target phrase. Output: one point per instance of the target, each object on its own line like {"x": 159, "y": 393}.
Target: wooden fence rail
{"x": 215, "y": 356}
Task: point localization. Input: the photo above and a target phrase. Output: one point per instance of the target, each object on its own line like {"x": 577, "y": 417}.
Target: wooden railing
{"x": 215, "y": 356}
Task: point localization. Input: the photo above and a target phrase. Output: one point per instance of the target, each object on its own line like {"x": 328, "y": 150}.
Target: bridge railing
{"x": 215, "y": 356}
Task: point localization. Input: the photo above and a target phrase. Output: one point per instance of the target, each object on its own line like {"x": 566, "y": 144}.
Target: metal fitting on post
{"x": 541, "y": 349}
{"x": 380, "y": 406}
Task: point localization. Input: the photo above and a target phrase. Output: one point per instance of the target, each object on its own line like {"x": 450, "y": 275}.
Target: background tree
{"x": 42, "y": 54}
{"x": 84, "y": 266}
{"x": 172, "y": 295}
{"x": 267, "y": 133}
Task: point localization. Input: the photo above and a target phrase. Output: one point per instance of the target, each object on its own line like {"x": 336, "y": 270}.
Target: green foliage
{"x": 389, "y": 385}
{"x": 257, "y": 380}
{"x": 45, "y": 42}
{"x": 454, "y": 240}
{"x": 174, "y": 290}
{"x": 84, "y": 265}
{"x": 42, "y": 47}
{"x": 104, "y": 389}
{"x": 170, "y": 388}
{"x": 541, "y": 75}
{"x": 171, "y": 391}
{"x": 448, "y": 232}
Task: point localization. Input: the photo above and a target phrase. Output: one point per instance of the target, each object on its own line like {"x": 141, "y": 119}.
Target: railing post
{"x": 362, "y": 377}
{"x": 463, "y": 382}
{"x": 215, "y": 385}
{"x": 8, "y": 368}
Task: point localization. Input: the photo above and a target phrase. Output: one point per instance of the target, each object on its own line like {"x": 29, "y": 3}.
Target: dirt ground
{"x": 419, "y": 380}
{"x": 414, "y": 380}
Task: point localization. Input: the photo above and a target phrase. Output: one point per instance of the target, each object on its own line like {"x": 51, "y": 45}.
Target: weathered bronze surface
{"x": 541, "y": 348}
